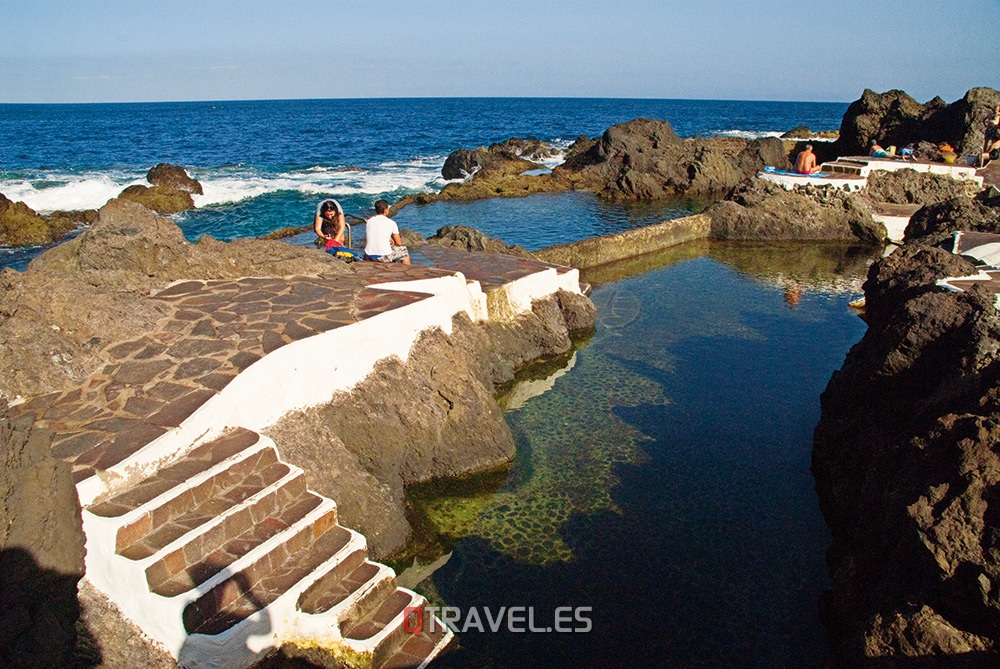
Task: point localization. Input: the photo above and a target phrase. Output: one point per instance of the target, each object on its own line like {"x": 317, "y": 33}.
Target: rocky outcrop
{"x": 761, "y": 210}
{"x": 170, "y": 192}
{"x": 41, "y": 549}
{"x": 642, "y": 159}
{"x": 21, "y": 226}
{"x": 469, "y": 239}
{"x": 433, "y": 417}
{"x": 907, "y": 468}
{"x": 937, "y": 221}
{"x": 173, "y": 177}
{"x": 895, "y": 118}
{"x": 912, "y": 187}
{"x": 524, "y": 154}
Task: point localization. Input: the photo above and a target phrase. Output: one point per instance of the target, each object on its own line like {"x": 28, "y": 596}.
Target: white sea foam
{"x": 237, "y": 185}
{"x": 66, "y": 192}
{"x": 748, "y": 134}
{"x": 50, "y": 191}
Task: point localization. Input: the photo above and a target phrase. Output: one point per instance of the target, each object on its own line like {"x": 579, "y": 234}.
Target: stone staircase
{"x": 238, "y": 556}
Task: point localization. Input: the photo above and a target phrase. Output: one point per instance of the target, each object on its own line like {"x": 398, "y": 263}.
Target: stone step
{"x": 232, "y": 537}
{"x": 256, "y": 586}
{"x": 344, "y": 579}
{"x": 388, "y": 627}
{"x": 199, "y": 460}
{"x": 200, "y": 504}
{"x": 419, "y": 649}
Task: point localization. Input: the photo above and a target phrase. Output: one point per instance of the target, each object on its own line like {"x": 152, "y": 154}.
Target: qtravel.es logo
{"x": 515, "y": 619}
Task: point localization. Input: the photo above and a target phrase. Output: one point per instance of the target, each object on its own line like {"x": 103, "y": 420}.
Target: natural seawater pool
{"x": 663, "y": 480}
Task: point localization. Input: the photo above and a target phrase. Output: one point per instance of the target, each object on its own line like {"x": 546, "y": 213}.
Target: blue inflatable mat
{"x": 771, "y": 170}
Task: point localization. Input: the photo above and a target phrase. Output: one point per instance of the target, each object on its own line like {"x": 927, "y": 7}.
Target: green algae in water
{"x": 569, "y": 442}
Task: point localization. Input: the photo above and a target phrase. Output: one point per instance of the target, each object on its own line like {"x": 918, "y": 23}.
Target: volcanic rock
{"x": 170, "y": 192}
{"x": 21, "y": 226}
{"x": 433, "y": 417}
{"x": 761, "y": 210}
{"x": 41, "y": 549}
{"x": 912, "y": 187}
{"x": 524, "y": 153}
{"x": 470, "y": 239}
{"x": 895, "y": 118}
{"x": 173, "y": 177}
{"x": 935, "y": 222}
{"x": 907, "y": 468}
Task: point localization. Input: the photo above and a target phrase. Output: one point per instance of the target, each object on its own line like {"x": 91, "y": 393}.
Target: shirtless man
{"x": 805, "y": 162}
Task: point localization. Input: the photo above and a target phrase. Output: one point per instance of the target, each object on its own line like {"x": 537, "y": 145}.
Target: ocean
{"x": 265, "y": 164}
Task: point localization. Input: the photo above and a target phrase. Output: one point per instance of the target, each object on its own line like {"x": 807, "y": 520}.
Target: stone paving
{"x": 228, "y": 528}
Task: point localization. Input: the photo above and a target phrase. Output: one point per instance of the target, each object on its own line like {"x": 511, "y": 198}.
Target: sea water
{"x": 265, "y": 164}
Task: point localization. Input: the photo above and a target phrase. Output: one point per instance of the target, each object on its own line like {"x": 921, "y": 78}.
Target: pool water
{"x": 663, "y": 481}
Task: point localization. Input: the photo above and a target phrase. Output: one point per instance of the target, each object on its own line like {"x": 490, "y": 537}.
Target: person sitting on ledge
{"x": 991, "y": 144}
{"x": 329, "y": 223}
{"x": 877, "y": 151}
{"x": 805, "y": 162}
{"x": 382, "y": 243}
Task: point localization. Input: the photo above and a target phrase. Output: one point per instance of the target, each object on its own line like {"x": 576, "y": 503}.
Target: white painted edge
{"x": 895, "y": 226}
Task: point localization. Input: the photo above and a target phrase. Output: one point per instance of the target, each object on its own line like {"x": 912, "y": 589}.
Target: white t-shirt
{"x": 378, "y": 233}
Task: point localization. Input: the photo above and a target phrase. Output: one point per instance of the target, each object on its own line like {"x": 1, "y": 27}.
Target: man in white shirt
{"x": 382, "y": 242}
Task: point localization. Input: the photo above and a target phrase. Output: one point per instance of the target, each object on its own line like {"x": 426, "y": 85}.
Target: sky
{"x": 140, "y": 50}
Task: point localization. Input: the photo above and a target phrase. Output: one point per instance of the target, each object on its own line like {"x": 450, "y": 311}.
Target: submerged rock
{"x": 433, "y": 417}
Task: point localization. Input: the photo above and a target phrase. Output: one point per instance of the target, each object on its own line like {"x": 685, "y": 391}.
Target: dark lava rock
{"x": 891, "y": 118}
{"x": 798, "y": 132}
{"x": 934, "y": 222}
{"x": 158, "y": 198}
{"x": 912, "y": 187}
{"x": 761, "y": 210}
{"x": 470, "y": 239}
{"x": 169, "y": 193}
{"x": 644, "y": 159}
{"x": 907, "y": 466}
{"x": 895, "y": 118}
{"x": 465, "y": 162}
{"x": 21, "y": 226}
{"x": 41, "y": 548}
{"x": 760, "y": 153}
{"x": 173, "y": 177}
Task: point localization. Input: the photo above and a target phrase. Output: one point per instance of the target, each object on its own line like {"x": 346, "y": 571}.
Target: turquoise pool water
{"x": 663, "y": 480}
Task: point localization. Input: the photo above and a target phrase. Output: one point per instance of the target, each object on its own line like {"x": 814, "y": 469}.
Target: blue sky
{"x": 138, "y": 50}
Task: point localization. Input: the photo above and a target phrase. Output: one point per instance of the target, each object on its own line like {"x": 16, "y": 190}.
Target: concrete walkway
{"x": 196, "y": 529}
